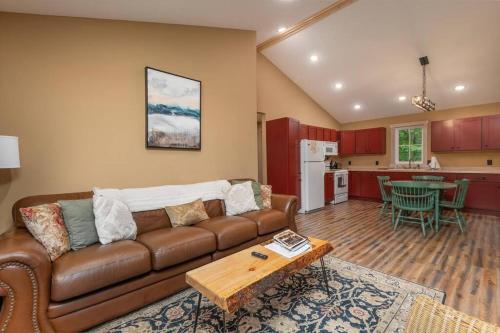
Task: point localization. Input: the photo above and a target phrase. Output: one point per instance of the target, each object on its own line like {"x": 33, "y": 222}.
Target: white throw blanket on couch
{"x": 157, "y": 197}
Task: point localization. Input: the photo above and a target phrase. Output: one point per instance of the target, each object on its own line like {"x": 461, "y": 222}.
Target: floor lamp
{"x": 9, "y": 152}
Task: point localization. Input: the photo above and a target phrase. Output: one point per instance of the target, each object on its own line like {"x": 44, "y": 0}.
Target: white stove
{"x": 340, "y": 186}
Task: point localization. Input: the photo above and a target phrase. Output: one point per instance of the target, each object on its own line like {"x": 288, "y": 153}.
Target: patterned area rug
{"x": 362, "y": 300}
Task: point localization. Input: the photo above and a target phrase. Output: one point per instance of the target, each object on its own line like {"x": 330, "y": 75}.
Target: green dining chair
{"x": 428, "y": 178}
{"x": 386, "y": 197}
{"x": 457, "y": 204}
{"x": 407, "y": 200}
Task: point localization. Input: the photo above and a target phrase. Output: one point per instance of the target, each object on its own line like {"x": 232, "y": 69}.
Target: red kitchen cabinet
{"x": 442, "y": 136}
{"x": 467, "y": 134}
{"x": 333, "y": 135}
{"x": 347, "y": 142}
{"x": 370, "y": 141}
{"x": 283, "y": 155}
{"x": 376, "y": 140}
{"x": 361, "y": 141}
{"x": 456, "y": 135}
{"x": 483, "y": 193}
{"x": 326, "y": 134}
{"x": 491, "y": 132}
{"x": 303, "y": 132}
{"x": 311, "y": 132}
{"x": 328, "y": 187}
{"x": 369, "y": 188}
{"x": 319, "y": 134}
{"x": 354, "y": 179}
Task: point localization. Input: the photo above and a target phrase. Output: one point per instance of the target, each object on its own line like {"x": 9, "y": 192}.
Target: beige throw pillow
{"x": 266, "y": 191}
{"x": 187, "y": 214}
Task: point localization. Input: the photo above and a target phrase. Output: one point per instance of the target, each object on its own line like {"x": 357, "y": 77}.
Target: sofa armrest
{"x": 25, "y": 274}
{"x": 288, "y": 205}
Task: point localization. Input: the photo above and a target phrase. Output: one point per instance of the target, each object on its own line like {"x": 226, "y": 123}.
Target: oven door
{"x": 341, "y": 183}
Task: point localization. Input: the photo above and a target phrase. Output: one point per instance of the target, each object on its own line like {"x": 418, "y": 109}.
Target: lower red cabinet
{"x": 328, "y": 187}
{"x": 483, "y": 193}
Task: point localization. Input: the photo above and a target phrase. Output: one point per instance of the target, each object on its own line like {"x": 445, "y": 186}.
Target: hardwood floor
{"x": 465, "y": 266}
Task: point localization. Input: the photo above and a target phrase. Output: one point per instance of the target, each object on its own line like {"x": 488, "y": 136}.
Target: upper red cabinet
{"x": 303, "y": 131}
{"x": 347, "y": 142}
{"x": 376, "y": 140}
{"x": 364, "y": 141}
{"x": 456, "y": 135}
{"x": 442, "y": 135}
{"x": 491, "y": 132}
{"x": 317, "y": 133}
{"x": 326, "y": 134}
{"x": 311, "y": 132}
{"x": 361, "y": 140}
{"x": 467, "y": 134}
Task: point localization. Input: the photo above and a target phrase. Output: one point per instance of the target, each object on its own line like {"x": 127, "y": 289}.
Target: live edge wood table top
{"x": 232, "y": 281}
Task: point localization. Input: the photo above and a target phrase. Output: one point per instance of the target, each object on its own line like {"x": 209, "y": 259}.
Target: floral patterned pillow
{"x": 266, "y": 191}
{"x": 46, "y": 224}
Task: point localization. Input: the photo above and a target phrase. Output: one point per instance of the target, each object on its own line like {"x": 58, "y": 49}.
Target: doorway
{"x": 261, "y": 150}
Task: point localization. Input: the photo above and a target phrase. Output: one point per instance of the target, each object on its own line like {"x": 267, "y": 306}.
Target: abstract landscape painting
{"x": 173, "y": 111}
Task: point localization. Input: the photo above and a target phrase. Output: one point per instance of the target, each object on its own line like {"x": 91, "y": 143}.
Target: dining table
{"x": 435, "y": 186}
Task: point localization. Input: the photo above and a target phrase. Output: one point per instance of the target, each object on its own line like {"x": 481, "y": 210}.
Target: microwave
{"x": 331, "y": 149}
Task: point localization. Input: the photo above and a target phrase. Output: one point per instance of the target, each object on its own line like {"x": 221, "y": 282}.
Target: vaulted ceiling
{"x": 370, "y": 47}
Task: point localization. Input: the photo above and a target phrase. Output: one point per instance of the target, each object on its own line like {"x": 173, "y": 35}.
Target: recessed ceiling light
{"x": 402, "y": 98}
{"x": 281, "y": 29}
{"x": 357, "y": 106}
{"x": 338, "y": 85}
{"x": 314, "y": 58}
{"x": 459, "y": 87}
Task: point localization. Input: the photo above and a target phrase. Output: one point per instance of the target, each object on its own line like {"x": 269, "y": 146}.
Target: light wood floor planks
{"x": 465, "y": 266}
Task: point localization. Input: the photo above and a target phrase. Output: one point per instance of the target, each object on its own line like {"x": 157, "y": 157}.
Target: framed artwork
{"x": 173, "y": 111}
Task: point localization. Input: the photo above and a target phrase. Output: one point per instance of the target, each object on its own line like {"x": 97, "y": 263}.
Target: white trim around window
{"x": 395, "y": 144}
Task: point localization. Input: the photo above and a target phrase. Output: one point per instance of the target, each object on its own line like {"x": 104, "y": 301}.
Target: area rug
{"x": 361, "y": 300}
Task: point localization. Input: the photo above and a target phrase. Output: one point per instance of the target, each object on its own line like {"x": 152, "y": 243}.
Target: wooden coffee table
{"x": 234, "y": 280}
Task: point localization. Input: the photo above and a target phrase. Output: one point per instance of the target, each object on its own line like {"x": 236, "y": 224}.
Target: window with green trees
{"x": 409, "y": 144}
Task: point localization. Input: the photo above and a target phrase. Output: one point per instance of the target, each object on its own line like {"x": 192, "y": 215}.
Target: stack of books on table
{"x": 289, "y": 244}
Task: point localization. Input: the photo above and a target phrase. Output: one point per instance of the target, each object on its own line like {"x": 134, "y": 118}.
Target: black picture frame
{"x": 164, "y": 139}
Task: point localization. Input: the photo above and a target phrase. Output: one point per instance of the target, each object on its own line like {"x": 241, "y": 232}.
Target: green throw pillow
{"x": 80, "y": 222}
{"x": 256, "y": 191}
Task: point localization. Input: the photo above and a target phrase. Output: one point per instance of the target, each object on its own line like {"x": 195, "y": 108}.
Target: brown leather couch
{"x": 87, "y": 287}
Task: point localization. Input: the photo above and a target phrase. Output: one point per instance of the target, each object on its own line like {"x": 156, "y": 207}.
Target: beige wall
{"x": 455, "y": 159}
{"x": 73, "y": 91}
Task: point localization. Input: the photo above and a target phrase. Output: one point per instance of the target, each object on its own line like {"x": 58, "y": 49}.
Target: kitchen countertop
{"x": 333, "y": 170}
{"x": 495, "y": 170}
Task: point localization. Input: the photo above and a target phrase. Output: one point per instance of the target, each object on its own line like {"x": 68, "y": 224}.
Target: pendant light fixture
{"x": 423, "y": 102}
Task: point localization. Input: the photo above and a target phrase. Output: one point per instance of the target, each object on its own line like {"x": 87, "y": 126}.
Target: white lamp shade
{"x": 9, "y": 152}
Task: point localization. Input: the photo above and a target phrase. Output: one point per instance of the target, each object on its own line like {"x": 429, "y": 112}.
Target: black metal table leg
{"x": 197, "y": 313}
{"x": 325, "y": 276}
{"x": 224, "y": 321}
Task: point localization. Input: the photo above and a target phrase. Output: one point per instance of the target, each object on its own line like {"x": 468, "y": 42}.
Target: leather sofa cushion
{"x": 230, "y": 230}
{"x": 150, "y": 220}
{"x": 171, "y": 246}
{"x": 97, "y": 266}
{"x": 268, "y": 220}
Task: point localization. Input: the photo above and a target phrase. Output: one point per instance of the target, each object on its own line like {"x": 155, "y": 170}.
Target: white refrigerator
{"x": 312, "y": 169}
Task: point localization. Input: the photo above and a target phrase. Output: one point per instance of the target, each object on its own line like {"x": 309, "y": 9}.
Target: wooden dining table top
{"x": 432, "y": 185}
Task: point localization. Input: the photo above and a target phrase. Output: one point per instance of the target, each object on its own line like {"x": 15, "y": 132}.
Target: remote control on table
{"x": 259, "y": 255}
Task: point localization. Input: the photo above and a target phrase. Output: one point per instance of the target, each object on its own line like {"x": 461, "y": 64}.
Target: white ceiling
{"x": 373, "y": 48}
{"x": 263, "y": 16}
